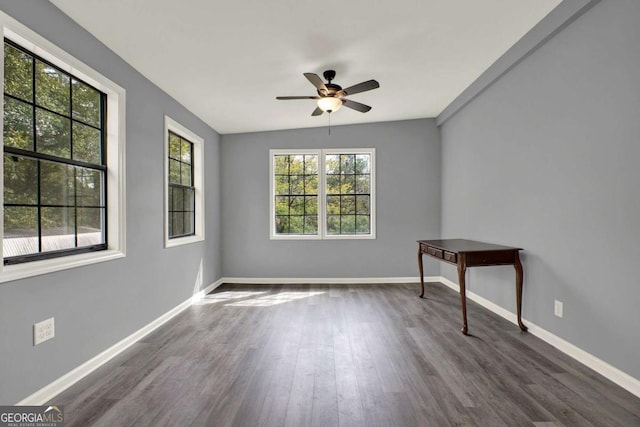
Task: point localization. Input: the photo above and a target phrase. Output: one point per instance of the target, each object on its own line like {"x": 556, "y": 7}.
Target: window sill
{"x": 179, "y": 241}
{"x": 36, "y": 268}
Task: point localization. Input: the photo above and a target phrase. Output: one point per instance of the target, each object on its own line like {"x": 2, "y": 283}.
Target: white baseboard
{"x": 612, "y": 373}
{"x": 325, "y": 280}
{"x": 56, "y": 387}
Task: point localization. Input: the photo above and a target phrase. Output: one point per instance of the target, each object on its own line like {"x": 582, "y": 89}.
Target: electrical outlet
{"x": 43, "y": 331}
{"x": 557, "y": 308}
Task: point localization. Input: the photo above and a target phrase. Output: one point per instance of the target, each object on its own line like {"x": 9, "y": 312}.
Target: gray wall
{"x": 408, "y": 203}
{"x": 547, "y": 159}
{"x": 96, "y": 306}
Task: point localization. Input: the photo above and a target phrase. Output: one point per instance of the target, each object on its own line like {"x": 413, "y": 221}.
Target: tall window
{"x": 54, "y": 160}
{"x": 184, "y": 189}
{"x": 322, "y": 194}
{"x": 62, "y": 140}
{"x": 181, "y": 190}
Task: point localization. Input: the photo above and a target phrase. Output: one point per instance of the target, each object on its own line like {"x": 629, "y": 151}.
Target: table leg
{"x": 518, "y": 266}
{"x": 421, "y": 273}
{"x": 462, "y": 270}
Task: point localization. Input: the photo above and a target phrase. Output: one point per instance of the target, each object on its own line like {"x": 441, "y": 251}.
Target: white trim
{"x": 56, "y": 387}
{"x": 326, "y": 280}
{"x": 198, "y": 182}
{"x": 608, "y": 371}
{"x": 116, "y": 133}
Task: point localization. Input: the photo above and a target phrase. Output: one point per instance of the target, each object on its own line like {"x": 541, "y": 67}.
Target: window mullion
{"x": 322, "y": 216}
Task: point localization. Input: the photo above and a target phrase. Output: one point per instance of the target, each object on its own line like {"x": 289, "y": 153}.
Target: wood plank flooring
{"x": 347, "y": 356}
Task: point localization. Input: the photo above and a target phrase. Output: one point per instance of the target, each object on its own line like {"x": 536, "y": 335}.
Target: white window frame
{"x": 322, "y": 213}
{"x": 198, "y": 182}
{"x": 115, "y": 127}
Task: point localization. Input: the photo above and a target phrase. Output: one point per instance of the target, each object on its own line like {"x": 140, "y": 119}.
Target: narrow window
{"x": 181, "y": 189}
{"x": 184, "y": 190}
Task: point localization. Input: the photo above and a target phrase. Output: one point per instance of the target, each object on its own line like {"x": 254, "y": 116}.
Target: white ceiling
{"x": 226, "y": 61}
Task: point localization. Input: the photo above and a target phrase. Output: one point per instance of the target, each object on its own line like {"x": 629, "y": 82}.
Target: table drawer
{"x": 434, "y": 252}
{"x": 450, "y": 256}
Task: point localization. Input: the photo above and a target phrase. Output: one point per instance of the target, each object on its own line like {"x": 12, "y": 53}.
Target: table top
{"x": 463, "y": 245}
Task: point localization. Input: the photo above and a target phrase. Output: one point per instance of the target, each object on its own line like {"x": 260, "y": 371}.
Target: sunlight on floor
{"x": 274, "y": 299}
{"x": 226, "y": 296}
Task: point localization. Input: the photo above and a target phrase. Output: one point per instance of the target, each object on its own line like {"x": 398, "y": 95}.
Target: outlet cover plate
{"x": 43, "y": 331}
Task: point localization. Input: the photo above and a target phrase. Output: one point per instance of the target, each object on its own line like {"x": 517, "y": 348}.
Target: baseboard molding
{"x": 608, "y": 371}
{"x": 56, "y": 387}
{"x": 326, "y": 280}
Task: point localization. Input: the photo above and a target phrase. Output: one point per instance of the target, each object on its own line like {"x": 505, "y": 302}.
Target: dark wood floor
{"x": 338, "y": 355}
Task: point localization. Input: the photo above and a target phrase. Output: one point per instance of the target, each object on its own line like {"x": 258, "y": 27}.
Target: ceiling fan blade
{"x": 356, "y": 105}
{"x": 317, "y": 112}
{"x": 361, "y": 87}
{"x": 283, "y": 98}
{"x": 317, "y": 82}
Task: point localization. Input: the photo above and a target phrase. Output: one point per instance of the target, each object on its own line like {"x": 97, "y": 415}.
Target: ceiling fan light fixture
{"x": 329, "y": 104}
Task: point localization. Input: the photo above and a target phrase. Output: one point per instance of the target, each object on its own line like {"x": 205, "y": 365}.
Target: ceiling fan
{"x": 331, "y": 96}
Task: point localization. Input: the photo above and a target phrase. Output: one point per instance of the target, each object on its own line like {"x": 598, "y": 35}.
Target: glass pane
{"x": 89, "y": 187}
{"x": 282, "y": 224}
{"x": 53, "y": 134}
{"x": 310, "y": 224}
{"x": 18, "y": 77}
{"x": 362, "y": 224}
{"x": 282, "y": 184}
{"x": 311, "y": 205}
{"x": 90, "y": 226}
{"x": 85, "y": 103}
{"x": 58, "y": 229}
{"x": 18, "y": 124}
{"x": 174, "y": 146}
{"x": 174, "y": 171}
{"x": 185, "y": 151}
{"x": 281, "y": 165}
{"x": 333, "y": 184}
{"x": 362, "y": 184}
{"x": 86, "y": 144}
{"x": 170, "y": 197}
{"x": 348, "y": 184}
{"x": 296, "y": 224}
{"x": 347, "y": 163}
{"x": 332, "y": 164}
{"x": 311, "y": 184}
{"x": 178, "y": 199}
{"x": 56, "y": 184}
{"x": 348, "y": 224}
{"x": 362, "y": 205}
{"x": 362, "y": 163}
{"x": 190, "y": 195}
{"x": 282, "y": 205}
{"x": 333, "y": 204}
{"x": 333, "y": 224}
{"x": 20, "y": 231}
{"x": 185, "y": 171}
{"x": 348, "y": 205}
{"x": 297, "y": 206}
{"x": 52, "y": 88}
{"x": 311, "y": 164}
{"x": 297, "y": 184}
{"x": 296, "y": 165}
{"x": 20, "y": 180}
{"x": 177, "y": 221}
{"x": 188, "y": 222}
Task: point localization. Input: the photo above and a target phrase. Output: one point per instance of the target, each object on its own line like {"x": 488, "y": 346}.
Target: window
{"x": 184, "y": 197}
{"x": 63, "y": 147}
{"x": 322, "y": 194}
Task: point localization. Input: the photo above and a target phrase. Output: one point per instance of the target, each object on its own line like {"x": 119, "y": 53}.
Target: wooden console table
{"x": 469, "y": 253}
